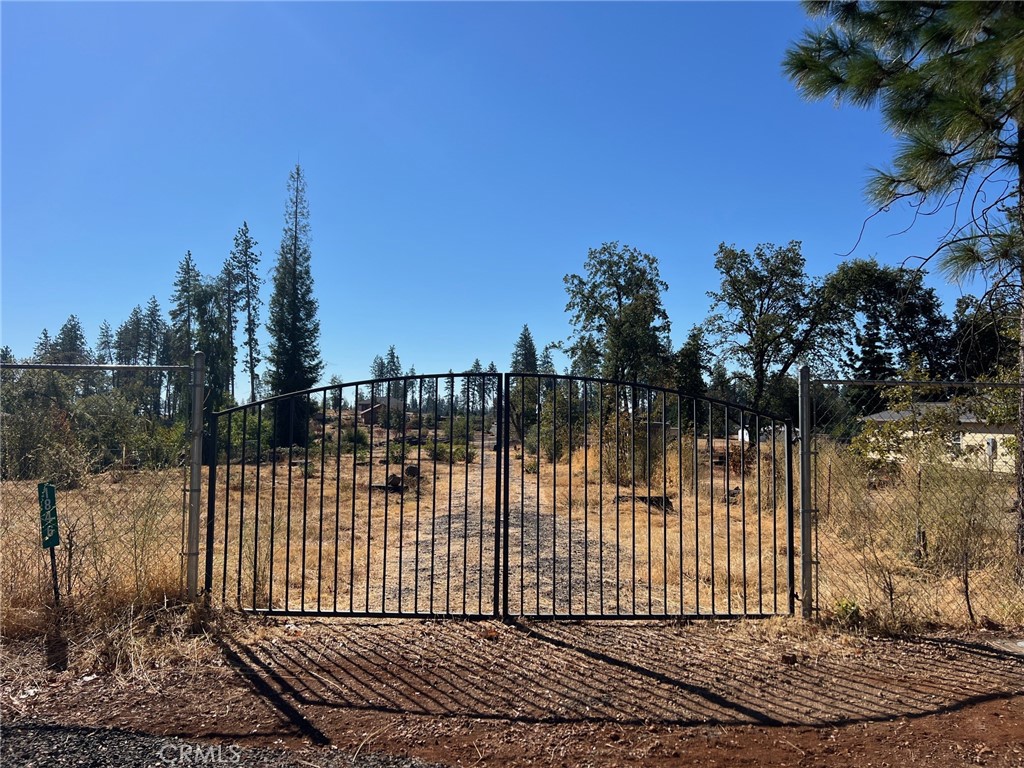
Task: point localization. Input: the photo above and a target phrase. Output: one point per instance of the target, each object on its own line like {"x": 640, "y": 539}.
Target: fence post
{"x": 805, "y": 491}
{"x": 195, "y": 476}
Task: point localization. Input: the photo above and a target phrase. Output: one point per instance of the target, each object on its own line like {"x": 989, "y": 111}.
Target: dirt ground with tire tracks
{"x": 460, "y": 693}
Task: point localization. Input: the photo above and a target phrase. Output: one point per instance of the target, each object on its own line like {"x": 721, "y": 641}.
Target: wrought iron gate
{"x": 483, "y": 495}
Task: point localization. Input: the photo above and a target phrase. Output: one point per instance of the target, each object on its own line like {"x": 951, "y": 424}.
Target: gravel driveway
{"x": 31, "y": 745}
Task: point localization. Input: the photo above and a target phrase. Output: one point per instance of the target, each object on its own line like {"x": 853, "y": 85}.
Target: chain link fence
{"x": 119, "y": 464}
{"x": 913, "y": 503}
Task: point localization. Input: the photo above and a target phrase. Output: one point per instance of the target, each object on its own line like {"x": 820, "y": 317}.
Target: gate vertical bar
{"x": 195, "y": 476}
{"x": 211, "y": 506}
{"x": 501, "y": 445}
{"x": 805, "y": 491}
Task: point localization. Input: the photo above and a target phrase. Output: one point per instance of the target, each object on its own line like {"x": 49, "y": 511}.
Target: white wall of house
{"x": 974, "y": 447}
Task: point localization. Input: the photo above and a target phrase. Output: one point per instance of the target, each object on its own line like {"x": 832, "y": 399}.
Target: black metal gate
{"x": 496, "y": 495}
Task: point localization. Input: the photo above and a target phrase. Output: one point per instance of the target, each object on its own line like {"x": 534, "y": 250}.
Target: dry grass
{"x": 325, "y": 536}
{"x": 926, "y": 543}
{"x": 334, "y": 539}
{"x": 712, "y": 552}
{"x": 119, "y": 569}
{"x": 328, "y": 538}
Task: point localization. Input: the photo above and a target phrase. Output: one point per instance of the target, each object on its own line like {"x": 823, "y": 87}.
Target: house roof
{"x": 920, "y": 409}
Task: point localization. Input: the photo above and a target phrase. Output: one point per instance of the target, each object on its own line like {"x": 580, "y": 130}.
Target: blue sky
{"x": 461, "y": 158}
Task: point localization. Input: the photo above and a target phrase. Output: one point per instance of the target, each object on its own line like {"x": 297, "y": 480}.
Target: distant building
{"x": 372, "y": 410}
{"x": 971, "y": 440}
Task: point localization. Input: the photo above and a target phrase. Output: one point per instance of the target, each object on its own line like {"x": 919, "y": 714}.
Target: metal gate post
{"x": 195, "y": 478}
{"x": 790, "y": 506}
{"x": 805, "y": 492}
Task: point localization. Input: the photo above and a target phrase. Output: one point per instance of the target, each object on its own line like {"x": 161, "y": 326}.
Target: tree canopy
{"x": 524, "y": 354}
{"x": 768, "y": 315}
{"x": 620, "y": 327}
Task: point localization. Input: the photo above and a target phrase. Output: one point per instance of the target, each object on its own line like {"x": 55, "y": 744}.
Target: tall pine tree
{"x": 154, "y": 332}
{"x": 294, "y": 361}
{"x": 524, "y": 354}
{"x": 183, "y": 308}
{"x": 947, "y": 77}
{"x": 244, "y": 268}
{"x": 105, "y": 344}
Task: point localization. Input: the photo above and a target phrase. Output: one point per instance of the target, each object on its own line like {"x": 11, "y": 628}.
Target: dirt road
{"x": 545, "y": 693}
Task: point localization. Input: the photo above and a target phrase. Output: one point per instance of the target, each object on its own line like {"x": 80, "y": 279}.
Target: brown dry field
{"x": 459, "y": 693}
{"x": 478, "y": 693}
{"x": 340, "y": 546}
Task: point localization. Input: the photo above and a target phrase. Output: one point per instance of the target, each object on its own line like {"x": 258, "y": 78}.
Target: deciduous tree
{"x": 900, "y": 315}
{"x": 616, "y": 310}
{"x": 768, "y": 314}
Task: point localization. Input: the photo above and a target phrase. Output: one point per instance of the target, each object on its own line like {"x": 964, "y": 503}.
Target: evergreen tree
{"x": 127, "y": 351}
{"x": 721, "y": 386}
{"x": 690, "y": 364}
{"x": 212, "y": 336}
{"x": 294, "y": 361}
{"x": 183, "y": 308}
{"x": 491, "y": 387}
{"x": 229, "y": 297}
{"x": 450, "y": 403}
{"x": 546, "y": 366}
{"x": 412, "y": 388}
{"x": 471, "y": 384}
{"x": 245, "y": 263}
{"x": 392, "y": 365}
{"x": 872, "y": 360}
{"x": 336, "y": 395}
{"x": 153, "y": 334}
{"x": 429, "y": 396}
{"x": 70, "y": 347}
{"x": 172, "y": 390}
{"x": 524, "y": 354}
{"x": 105, "y": 344}
{"x": 128, "y": 340}
{"x": 43, "y": 348}
{"x": 377, "y": 368}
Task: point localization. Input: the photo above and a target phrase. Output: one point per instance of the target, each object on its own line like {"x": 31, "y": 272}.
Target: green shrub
{"x": 354, "y": 437}
{"x": 453, "y": 452}
{"x": 397, "y": 452}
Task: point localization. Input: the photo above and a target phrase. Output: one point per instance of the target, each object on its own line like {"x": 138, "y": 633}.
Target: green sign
{"x": 48, "y": 514}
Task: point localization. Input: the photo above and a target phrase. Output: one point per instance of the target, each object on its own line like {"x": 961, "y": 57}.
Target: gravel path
{"x": 43, "y": 745}
{"x": 557, "y": 564}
